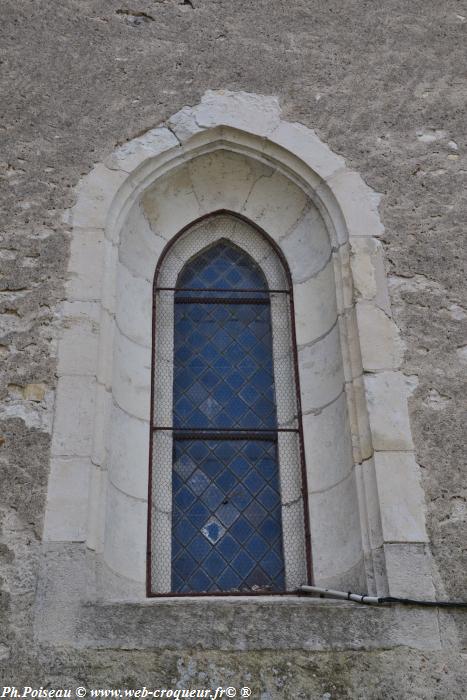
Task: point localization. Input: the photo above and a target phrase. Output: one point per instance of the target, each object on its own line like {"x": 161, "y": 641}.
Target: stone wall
{"x": 384, "y": 87}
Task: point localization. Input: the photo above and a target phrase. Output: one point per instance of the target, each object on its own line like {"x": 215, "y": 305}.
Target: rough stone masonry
{"x": 384, "y": 86}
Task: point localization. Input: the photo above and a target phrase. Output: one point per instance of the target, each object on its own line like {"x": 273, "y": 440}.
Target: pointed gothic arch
{"x": 200, "y": 238}
{"x": 233, "y": 152}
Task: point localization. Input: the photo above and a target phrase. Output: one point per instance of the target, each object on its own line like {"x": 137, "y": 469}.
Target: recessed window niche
{"x": 234, "y": 157}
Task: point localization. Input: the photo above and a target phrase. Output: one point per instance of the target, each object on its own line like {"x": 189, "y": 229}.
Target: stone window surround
{"x": 385, "y": 473}
{"x": 192, "y": 241}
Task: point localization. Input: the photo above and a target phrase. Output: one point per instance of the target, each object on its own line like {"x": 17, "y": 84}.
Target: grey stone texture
{"x": 384, "y": 86}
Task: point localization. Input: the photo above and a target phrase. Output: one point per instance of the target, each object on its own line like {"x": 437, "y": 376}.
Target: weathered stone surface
{"x": 230, "y": 623}
{"x": 150, "y": 144}
{"x": 79, "y": 338}
{"x": 223, "y": 180}
{"x": 80, "y": 80}
{"x": 67, "y": 507}
{"x": 387, "y": 394}
{"x": 171, "y": 205}
{"x": 85, "y": 282}
{"x": 34, "y": 392}
{"x": 125, "y": 542}
{"x": 279, "y": 675}
{"x": 73, "y": 426}
{"x": 275, "y": 203}
{"x": 98, "y": 187}
{"x": 380, "y": 341}
{"x": 400, "y": 496}
{"x": 132, "y": 376}
{"x": 133, "y": 312}
{"x": 130, "y": 449}
{"x": 368, "y": 272}
{"x": 409, "y": 571}
{"x": 297, "y": 141}
{"x": 328, "y": 447}
{"x": 238, "y": 109}
{"x": 321, "y": 372}
{"x": 139, "y": 245}
{"x": 359, "y": 204}
{"x": 307, "y": 247}
{"x": 315, "y": 306}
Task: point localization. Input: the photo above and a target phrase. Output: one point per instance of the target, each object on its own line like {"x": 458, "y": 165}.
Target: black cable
{"x": 373, "y": 600}
{"x": 427, "y": 603}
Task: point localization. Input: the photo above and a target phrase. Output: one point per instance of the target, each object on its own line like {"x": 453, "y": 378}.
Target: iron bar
{"x": 220, "y": 300}
{"x": 271, "y": 437}
{"x": 228, "y": 430}
{"x": 219, "y": 289}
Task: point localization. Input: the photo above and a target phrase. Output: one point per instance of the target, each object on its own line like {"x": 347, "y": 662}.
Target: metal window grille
{"x": 228, "y": 431}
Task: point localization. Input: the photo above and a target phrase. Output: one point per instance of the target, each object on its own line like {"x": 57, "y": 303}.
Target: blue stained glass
{"x": 240, "y": 497}
{"x": 226, "y": 522}
{"x": 229, "y": 580}
{"x": 270, "y": 529}
{"x": 183, "y": 531}
{"x": 184, "y": 565}
{"x": 212, "y": 467}
{"x": 222, "y": 266}
{"x": 184, "y": 498}
{"x": 271, "y": 563}
{"x": 249, "y": 394}
{"x": 266, "y": 467}
{"x": 198, "y": 513}
{"x": 268, "y": 497}
{"x": 197, "y": 482}
{"x": 212, "y": 497}
{"x": 255, "y": 482}
{"x": 199, "y": 548}
{"x": 235, "y": 361}
{"x": 222, "y": 393}
{"x": 258, "y": 577}
{"x": 198, "y": 451}
{"x": 228, "y": 546}
{"x": 228, "y": 513}
{"x": 226, "y": 480}
{"x": 214, "y": 564}
{"x": 225, "y": 452}
{"x": 257, "y": 546}
{"x": 255, "y": 514}
{"x": 213, "y": 530}
{"x": 199, "y": 581}
{"x": 243, "y": 564}
{"x": 241, "y": 530}
{"x": 210, "y": 379}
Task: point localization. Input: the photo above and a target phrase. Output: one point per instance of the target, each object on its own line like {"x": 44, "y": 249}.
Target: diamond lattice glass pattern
{"x": 226, "y": 517}
{"x": 222, "y": 267}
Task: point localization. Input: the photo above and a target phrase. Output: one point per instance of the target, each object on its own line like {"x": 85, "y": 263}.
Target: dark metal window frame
{"x": 238, "y": 433}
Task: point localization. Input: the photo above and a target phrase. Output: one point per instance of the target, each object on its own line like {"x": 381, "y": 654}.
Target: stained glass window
{"x": 226, "y": 510}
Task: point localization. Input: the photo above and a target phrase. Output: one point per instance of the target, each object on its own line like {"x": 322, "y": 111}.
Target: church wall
{"x": 384, "y": 88}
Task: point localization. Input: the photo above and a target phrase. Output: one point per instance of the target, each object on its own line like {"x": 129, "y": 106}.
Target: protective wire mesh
{"x": 227, "y": 511}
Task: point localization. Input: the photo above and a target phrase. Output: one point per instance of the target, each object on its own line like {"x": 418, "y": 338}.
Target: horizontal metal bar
{"x": 219, "y": 289}
{"x": 232, "y": 594}
{"x": 261, "y": 437}
{"x": 228, "y": 430}
{"x": 221, "y": 300}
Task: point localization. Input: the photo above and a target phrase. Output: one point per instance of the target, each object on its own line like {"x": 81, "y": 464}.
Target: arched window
{"x": 231, "y": 152}
{"x": 233, "y": 430}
